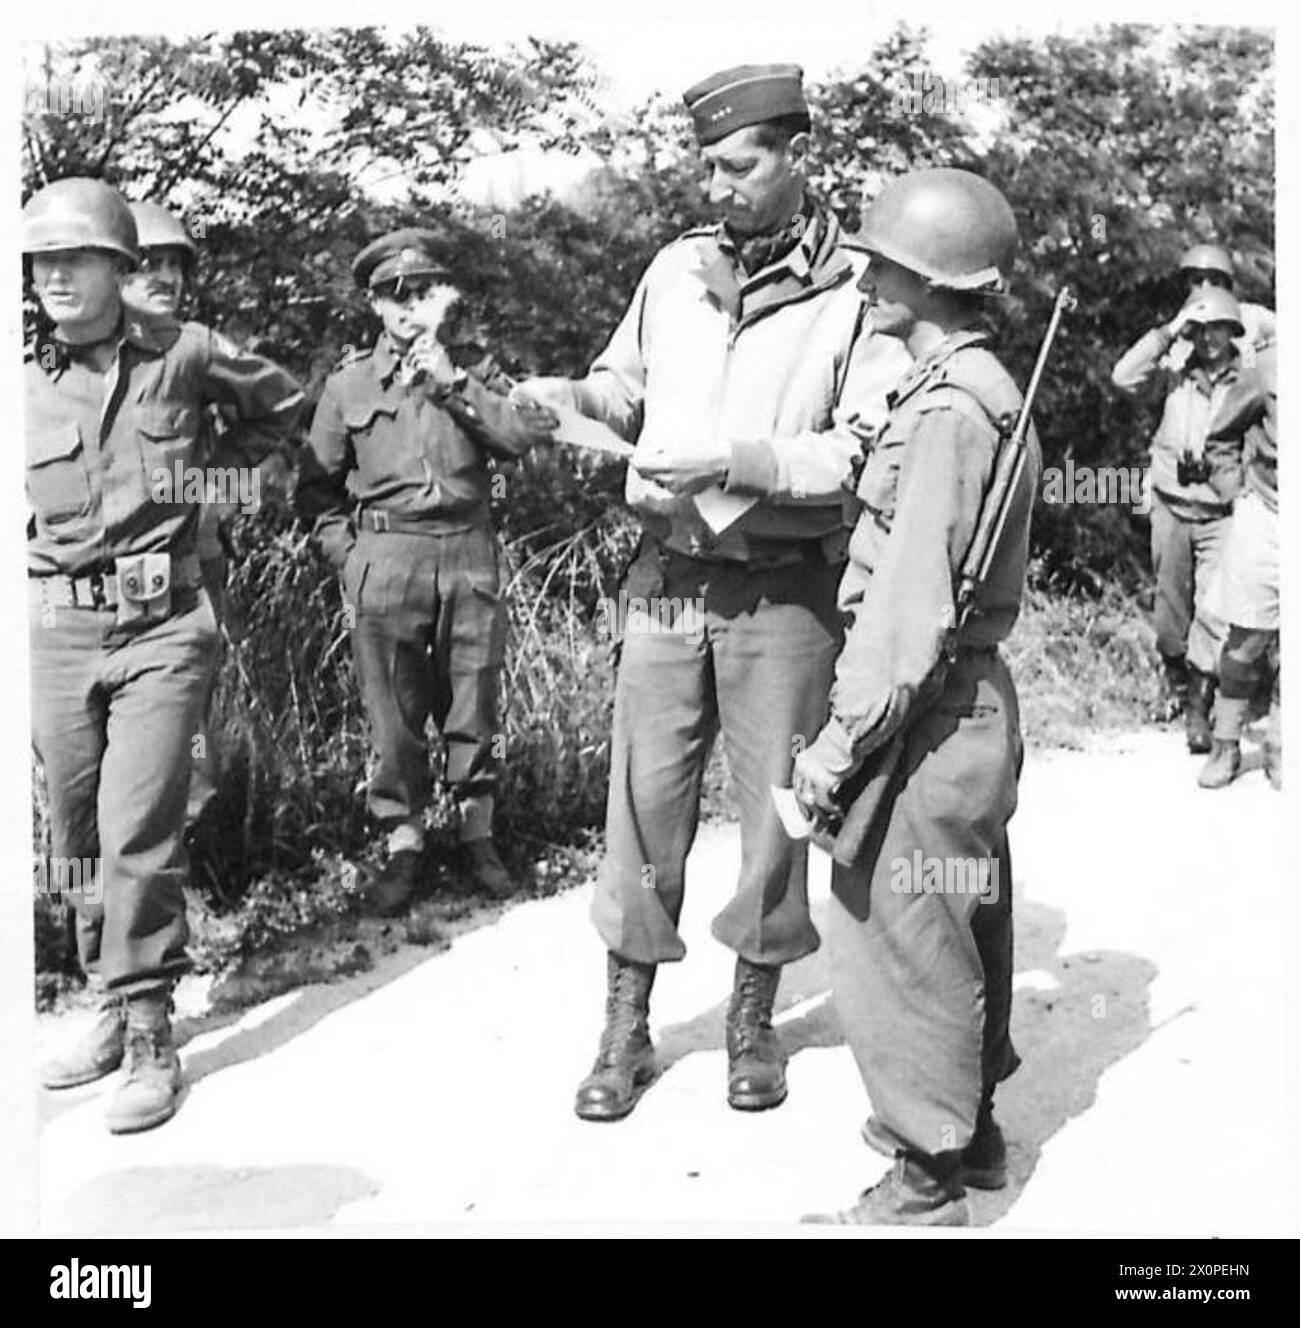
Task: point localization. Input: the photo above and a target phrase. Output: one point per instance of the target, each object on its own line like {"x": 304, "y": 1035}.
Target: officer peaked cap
{"x": 405, "y": 253}
{"x": 745, "y": 95}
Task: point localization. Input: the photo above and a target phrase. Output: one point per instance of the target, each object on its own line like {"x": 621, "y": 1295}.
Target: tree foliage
{"x": 288, "y": 150}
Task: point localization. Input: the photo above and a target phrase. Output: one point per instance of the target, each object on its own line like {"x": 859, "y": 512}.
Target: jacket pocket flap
{"x": 53, "y": 444}
{"x": 365, "y": 413}
{"x": 165, "y": 421}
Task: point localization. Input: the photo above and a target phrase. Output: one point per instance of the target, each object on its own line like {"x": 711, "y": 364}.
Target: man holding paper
{"x": 748, "y": 374}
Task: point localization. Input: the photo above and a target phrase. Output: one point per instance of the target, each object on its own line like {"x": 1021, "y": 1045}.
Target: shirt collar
{"x": 799, "y": 260}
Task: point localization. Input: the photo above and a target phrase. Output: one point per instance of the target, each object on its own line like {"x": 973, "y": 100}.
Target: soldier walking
{"x": 123, "y": 637}
{"x": 748, "y": 369}
{"x": 922, "y": 978}
{"x": 409, "y": 435}
{"x": 1192, "y": 489}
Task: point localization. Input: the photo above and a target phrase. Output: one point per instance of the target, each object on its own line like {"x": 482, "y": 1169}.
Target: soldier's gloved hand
{"x": 814, "y": 790}
{"x": 681, "y": 473}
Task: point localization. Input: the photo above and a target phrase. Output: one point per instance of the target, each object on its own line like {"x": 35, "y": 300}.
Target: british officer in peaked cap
{"x": 397, "y": 487}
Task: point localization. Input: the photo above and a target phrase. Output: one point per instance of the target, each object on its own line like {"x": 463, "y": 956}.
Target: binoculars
{"x": 1193, "y": 470}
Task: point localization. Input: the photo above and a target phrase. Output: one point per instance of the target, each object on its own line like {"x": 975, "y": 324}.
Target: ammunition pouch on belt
{"x": 144, "y": 588}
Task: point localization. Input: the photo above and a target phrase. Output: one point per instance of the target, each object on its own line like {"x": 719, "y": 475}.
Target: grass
{"x": 274, "y": 899}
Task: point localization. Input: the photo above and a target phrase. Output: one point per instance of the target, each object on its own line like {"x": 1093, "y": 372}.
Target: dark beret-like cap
{"x": 405, "y": 253}
{"x": 746, "y": 95}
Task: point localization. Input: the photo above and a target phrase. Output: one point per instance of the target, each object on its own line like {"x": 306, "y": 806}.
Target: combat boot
{"x": 486, "y": 868}
{"x": 919, "y": 1190}
{"x": 984, "y": 1159}
{"x": 1273, "y": 763}
{"x": 1223, "y": 766}
{"x": 1176, "y": 683}
{"x": 1200, "y": 699}
{"x": 151, "y": 1076}
{"x": 625, "y": 1061}
{"x": 390, "y": 892}
{"x": 97, "y": 1052}
{"x": 755, "y": 1059}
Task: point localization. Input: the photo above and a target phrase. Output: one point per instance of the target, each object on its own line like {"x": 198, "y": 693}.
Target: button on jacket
{"x": 403, "y": 448}
{"x": 99, "y": 443}
{"x": 779, "y": 371}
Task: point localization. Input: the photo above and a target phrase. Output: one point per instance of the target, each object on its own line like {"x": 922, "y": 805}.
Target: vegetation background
{"x": 285, "y": 151}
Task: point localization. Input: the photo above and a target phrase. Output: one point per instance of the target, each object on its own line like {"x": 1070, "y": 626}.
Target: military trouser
{"x": 920, "y": 935}
{"x": 428, "y": 638}
{"x": 203, "y": 776}
{"x": 114, "y": 717}
{"x": 752, "y": 653}
{"x": 1249, "y": 656}
{"x": 1185, "y": 556}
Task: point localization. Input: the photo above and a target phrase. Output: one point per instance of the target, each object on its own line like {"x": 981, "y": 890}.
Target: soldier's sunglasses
{"x": 407, "y": 292}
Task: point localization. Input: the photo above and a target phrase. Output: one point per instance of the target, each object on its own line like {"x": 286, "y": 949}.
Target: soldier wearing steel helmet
{"x": 1192, "y": 488}
{"x": 1209, "y": 266}
{"x": 396, "y": 485}
{"x": 122, "y": 633}
{"x": 158, "y": 289}
{"x": 922, "y": 979}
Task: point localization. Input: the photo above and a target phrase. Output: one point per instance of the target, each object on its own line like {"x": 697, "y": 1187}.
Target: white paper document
{"x": 591, "y": 435}
{"x": 721, "y": 509}
{"x": 787, "y": 808}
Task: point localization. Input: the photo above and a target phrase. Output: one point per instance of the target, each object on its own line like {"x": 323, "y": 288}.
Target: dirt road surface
{"x": 437, "y": 1088}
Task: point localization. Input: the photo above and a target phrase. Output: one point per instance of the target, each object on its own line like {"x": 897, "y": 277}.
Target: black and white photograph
{"x": 651, "y": 620}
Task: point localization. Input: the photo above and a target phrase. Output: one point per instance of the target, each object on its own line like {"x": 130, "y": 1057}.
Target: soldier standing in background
{"x": 157, "y": 289}
{"x": 922, "y": 980}
{"x": 1192, "y": 488}
{"x": 1208, "y": 266}
{"x": 747, "y": 367}
{"x": 409, "y": 434}
{"x": 1245, "y": 592}
{"x": 123, "y": 637}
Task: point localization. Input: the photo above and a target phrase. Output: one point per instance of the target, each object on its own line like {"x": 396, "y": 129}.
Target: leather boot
{"x": 390, "y": 892}
{"x": 486, "y": 869}
{"x": 97, "y": 1052}
{"x": 1176, "y": 683}
{"x": 919, "y": 1190}
{"x": 1273, "y": 763}
{"x": 151, "y": 1078}
{"x": 1200, "y": 699}
{"x": 625, "y": 1061}
{"x": 755, "y": 1059}
{"x": 1223, "y": 766}
{"x": 984, "y": 1159}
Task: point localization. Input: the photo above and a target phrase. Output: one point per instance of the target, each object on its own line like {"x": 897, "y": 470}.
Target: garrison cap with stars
{"x": 398, "y": 256}
{"x": 743, "y": 96}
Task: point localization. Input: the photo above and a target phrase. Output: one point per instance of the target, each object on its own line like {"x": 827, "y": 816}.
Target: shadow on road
{"x": 188, "y": 1198}
{"x": 1072, "y": 1017}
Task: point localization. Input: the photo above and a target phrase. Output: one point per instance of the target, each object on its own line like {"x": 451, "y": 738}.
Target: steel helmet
{"x": 1206, "y": 258}
{"x": 950, "y": 226}
{"x": 79, "y": 213}
{"x": 1214, "y": 305}
{"x": 158, "y": 229}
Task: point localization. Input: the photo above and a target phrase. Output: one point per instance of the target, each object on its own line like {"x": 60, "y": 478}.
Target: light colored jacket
{"x": 779, "y": 372}
{"x": 1193, "y": 396}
